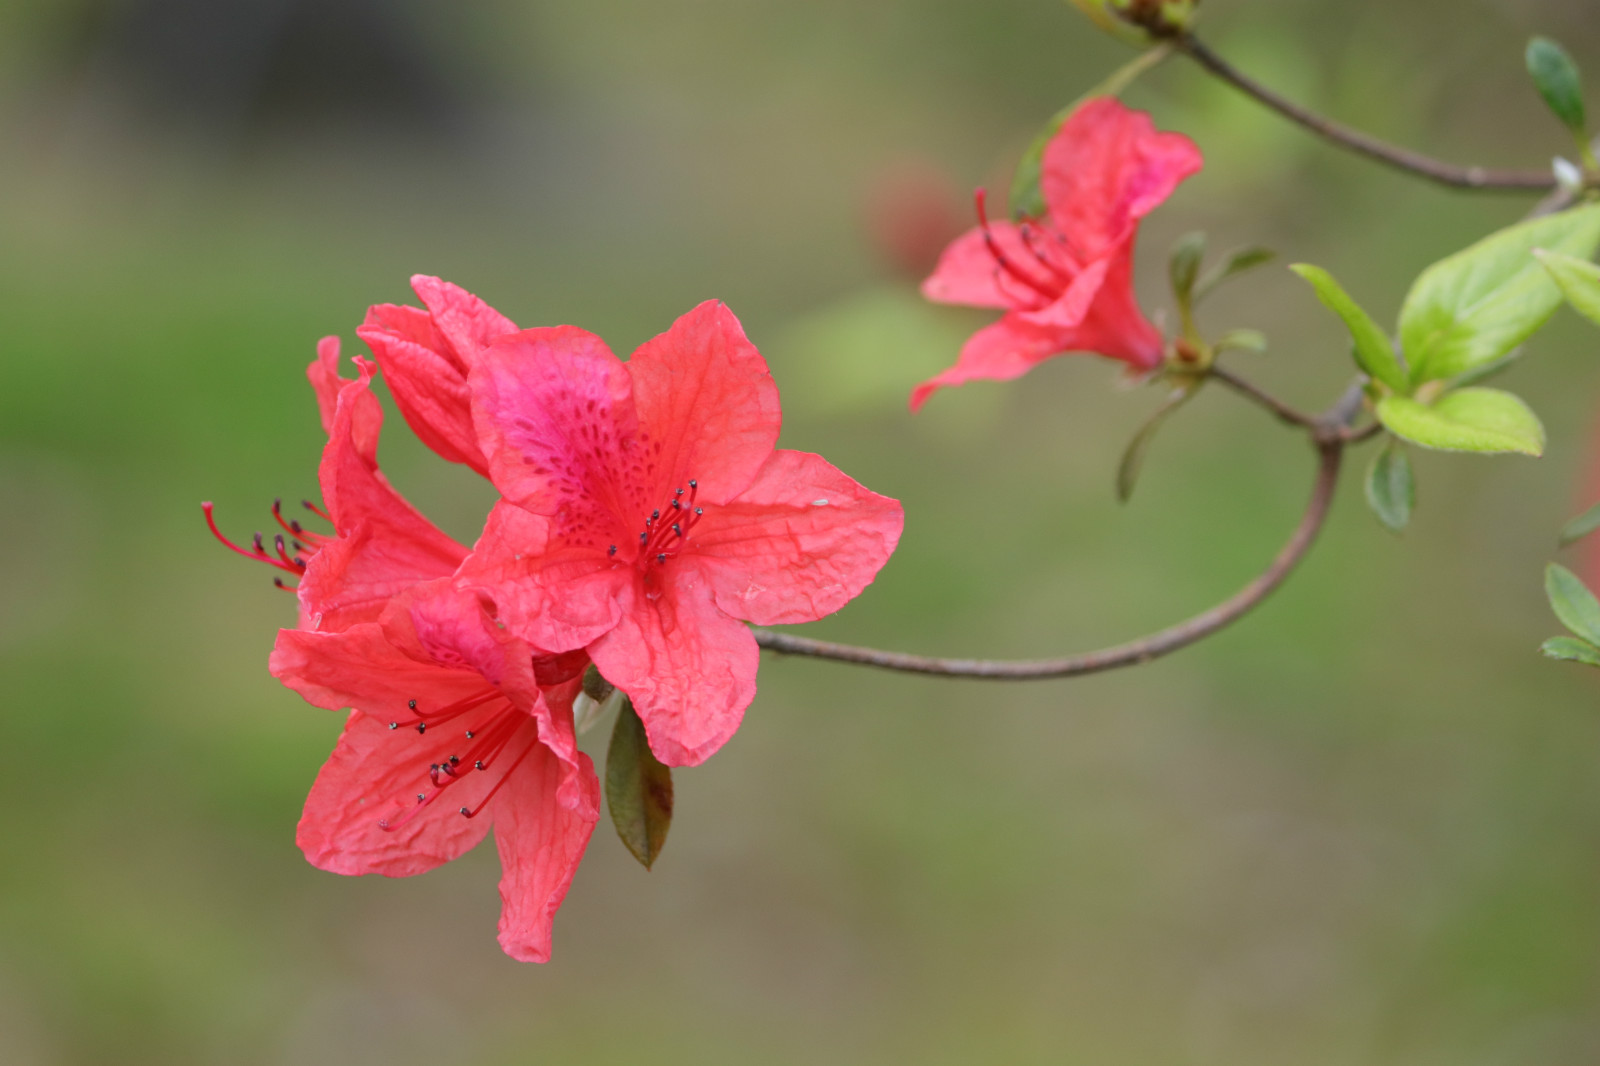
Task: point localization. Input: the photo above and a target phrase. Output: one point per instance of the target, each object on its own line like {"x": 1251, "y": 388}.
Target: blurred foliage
{"x": 1357, "y": 828}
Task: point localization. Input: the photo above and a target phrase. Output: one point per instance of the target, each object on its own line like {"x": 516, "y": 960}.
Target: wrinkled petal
{"x": 1105, "y": 169}
{"x": 467, "y": 323}
{"x": 555, "y": 596}
{"x": 427, "y": 384}
{"x": 384, "y": 545}
{"x": 1007, "y": 349}
{"x": 360, "y": 667}
{"x": 373, "y": 776}
{"x": 555, "y": 416}
{"x": 540, "y": 839}
{"x": 688, "y": 667}
{"x": 1114, "y": 326}
{"x": 325, "y": 380}
{"x": 707, "y": 405}
{"x": 969, "y": 274}
{"x": 798, "y": 544}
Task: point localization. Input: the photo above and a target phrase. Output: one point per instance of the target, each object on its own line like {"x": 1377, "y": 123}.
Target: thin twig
{"x": 1330, "y": 451}
{"x": 1393, "y": 155}
{"x": 1254, "y": 393}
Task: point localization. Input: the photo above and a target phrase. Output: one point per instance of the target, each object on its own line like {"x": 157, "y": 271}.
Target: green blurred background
{"x": 1361, "y": 827}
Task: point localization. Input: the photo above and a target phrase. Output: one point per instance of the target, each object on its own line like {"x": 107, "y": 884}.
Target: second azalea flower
{"x": 1065, "y": 280}
{"x": 648, "y": 515}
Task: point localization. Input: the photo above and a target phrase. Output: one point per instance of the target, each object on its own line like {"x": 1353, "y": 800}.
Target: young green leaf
{"x": 1133, "y": 455}
{"x": 1184, "y": 265}
{"x": 1026, "y": 200}
{"x": 1556, "y": 77}
{"x": 1572, "y": 602}
{"x": 1469, "y": 420}
{"x": 1391, "y": 490}
{"x": 638, "y": 788}
{"x": 1374, "y": 351}
{"x": 1475, "y": 306}
{"x": 1578, "y": 279}
{"x": 1237, "y": 262}
{"x": 1581, "y": 526}
{"x": 1241, "y": 340}
{"x": 1571, "y": 649}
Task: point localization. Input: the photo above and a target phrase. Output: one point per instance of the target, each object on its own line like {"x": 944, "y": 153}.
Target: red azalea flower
{"x": 381, "y": 545}
{"x": 1066, "y": 280}
{"x": 425, "y": 356}
{"x": 453, "y": 725}
{"x": 647, "y": 512}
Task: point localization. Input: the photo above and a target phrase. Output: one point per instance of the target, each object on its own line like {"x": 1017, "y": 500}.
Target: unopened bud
{"x": 1140, "y": 22}
{"x": 596, "y": 687}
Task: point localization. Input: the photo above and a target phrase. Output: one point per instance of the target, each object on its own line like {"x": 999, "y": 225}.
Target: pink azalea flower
{"x": 454, "y": 725}
{"x": 1065, "y": 280}
{"x": 647, "y": 512}
{"x": 380, "y": 545}
{"x": 425, "y": 356}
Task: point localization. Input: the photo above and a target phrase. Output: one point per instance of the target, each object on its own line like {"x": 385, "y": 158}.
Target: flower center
{"x": 666, "y": 531}
{"x": 1047, "y": 271}
{"x": 304, "y": 542}
{"x": 494, "y": 732}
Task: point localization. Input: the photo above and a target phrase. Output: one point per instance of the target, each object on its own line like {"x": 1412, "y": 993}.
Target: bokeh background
{"x": 1361, "y": 827}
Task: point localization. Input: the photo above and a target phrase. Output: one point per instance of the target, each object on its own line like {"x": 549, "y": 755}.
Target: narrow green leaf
{"x": 638, "y": 788}
{"x": 1184, "y": 265}
{"x": 1571, "y": 649}
{"x": 1469, "y": 420}
{"x": 1373, "y": 349}
{"x": 1475, "y": 306}
{"x": 1391, "y": 490}
{"x": 1556, "y": 77}
{"x": 1581, "y": 526}
{"x": 1241, "y": 340}
{"x": 1236, "y": 262}
{"x": 1133, "y": 455}
{"x": 1572, "y": 602}
{"x": 1025, "y": 200}
{"x": 1578, "y": 279}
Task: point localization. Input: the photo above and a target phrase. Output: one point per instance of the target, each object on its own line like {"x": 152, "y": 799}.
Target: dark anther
{"x": 394, "y": 725}
{"x": 469, "y": 734}
{"x": 611, "y": 550}
{"x": 412, "y": 704}
{"x": 677, "y": 492}
{"x": 422, "y": 727}
{"x": 655, "y": 515}
{"x": 433, "y": 768}
{"x": 693, "y": 484}
{"x": 278, "y": 581}
{"x": 478, "y": 765}
{"x": 676, "y": 530}
{"x": 307, "y": 504}
{"x": 295, "y": 525}
{"x": 661, "y": 558}
{"x": 454, "y": 759}
{"x": 260, "y": 547}
{"x": 699, "y": 510}
{"x": 420, "y": 797}
{"x": 466, "y": 812}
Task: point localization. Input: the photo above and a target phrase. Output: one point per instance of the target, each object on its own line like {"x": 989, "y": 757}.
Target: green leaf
{"x": 1133, "y": 455}
{"x": 1184, "y": 265}
{"x": 1581, "y": 526}
{"x": 1578, "y": 279}
{"x": 1241, "y": 340}
{"x": 1475, "y": 306}
{"x": 1571, "y": 649}
{"x": 1391, "y": 490}
{"x": 1237, "y": 262}
{"x": 1556, "y": 77}
{"x": 1572, "y": 602}
{"x": 1374, "y": 351}
{"x": 1026, "y": 201}
{"x": 638, "y": 788}
{"x": 1485, "y": 371}
{"x": 1469, "y": 420}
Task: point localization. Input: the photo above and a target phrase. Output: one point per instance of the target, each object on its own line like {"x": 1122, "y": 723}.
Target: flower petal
{"x": 555, "y": 596}
{"x": 688, "y": 667}
{"x": 708, "y": 407}
{"x": 467, "y": 323}
{"x": 798, "y": 544}
{"x": 427, "y": 384}
{"x": 1105, "y": 169}
{"x": 373, "y": 775}
{"x": 1114, "y": 325}
{"x": 1007, "y": 349}
{"x": 540, "y": 839}
{"x": 969, "y": 274}
{"x": 325, "y": 380}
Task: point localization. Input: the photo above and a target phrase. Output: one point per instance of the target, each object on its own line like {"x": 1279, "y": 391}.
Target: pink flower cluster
{"x": 646, "y": 515}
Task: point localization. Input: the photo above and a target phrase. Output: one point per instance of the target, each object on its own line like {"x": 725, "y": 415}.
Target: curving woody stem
{"x": 1458, "y": 177}
{"x": 1330, "y": 434}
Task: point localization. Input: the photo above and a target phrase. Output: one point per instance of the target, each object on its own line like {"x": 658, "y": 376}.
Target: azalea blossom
{"x": 426, "y": 352}
{"x": 380, "y": 545}
{"x": 648, "y": 515}
{"x": 1065, "y": 281}
{"x": 454, "y": 725}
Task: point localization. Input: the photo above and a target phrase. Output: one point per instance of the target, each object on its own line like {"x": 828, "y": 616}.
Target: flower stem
{"x": 1459, "y": 177}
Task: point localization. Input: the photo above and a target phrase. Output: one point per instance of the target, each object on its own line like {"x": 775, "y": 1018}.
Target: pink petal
{"x": 361, "y": 667}
{"x": 554, "y": 595}
{"x": 1105, "y": 169}
{"x": 969, "y": 274}
{"x": 798, "y": 544}
{"x": 708, "y": 408}
{"x": 374, "y": 774}
{"x": 466, "y": 322}
{"x": 427, "y": 385}
{"x": 1007, "y": 349}
{"x": 1114, "y": 325}
{"x": 325, "y": 380}
{"x": 688, "y": 667}
{"x": 540, "y": 839}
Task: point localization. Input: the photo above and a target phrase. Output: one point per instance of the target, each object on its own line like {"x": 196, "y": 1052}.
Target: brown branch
{"x": 1257, "y": 395}
{"x": 1393, "y": 155}
{"x": 1330, "y": 445}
